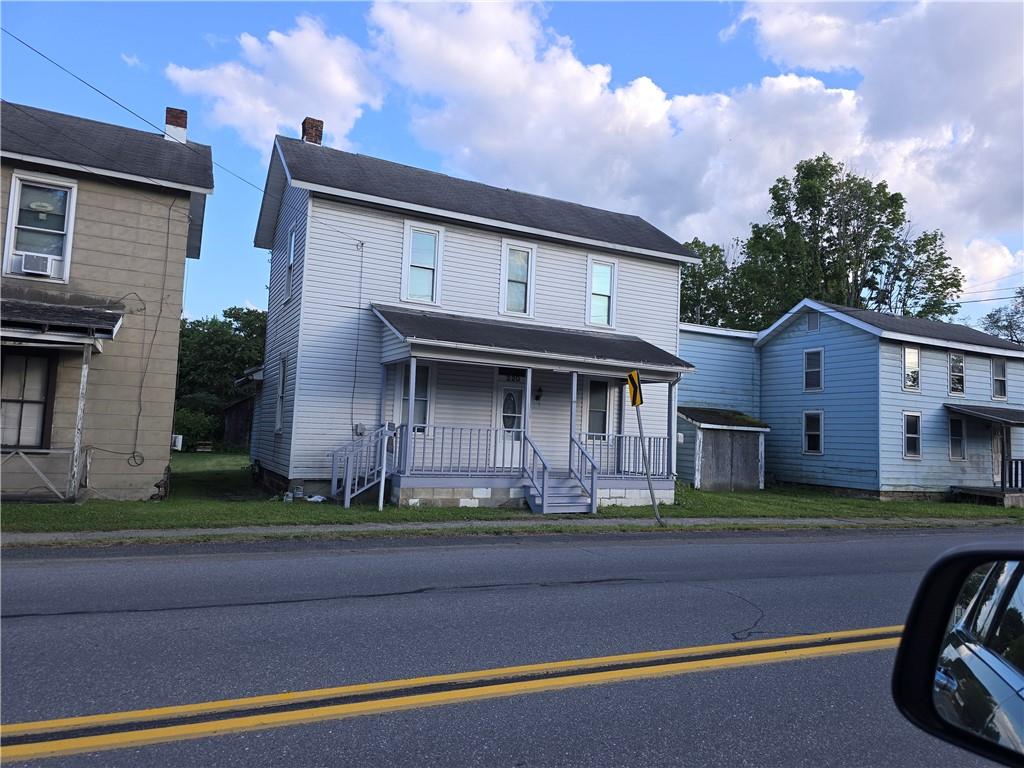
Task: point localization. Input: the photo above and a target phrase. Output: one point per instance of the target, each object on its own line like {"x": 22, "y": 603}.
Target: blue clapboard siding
{"x": 849, "y": 401}
{"x": 935, "y": 470}
{"x": 727, "y": 374}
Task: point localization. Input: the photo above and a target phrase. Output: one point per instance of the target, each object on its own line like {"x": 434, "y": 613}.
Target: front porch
{"x": 516, "y": 425}
{"x": 1007, "y": 487}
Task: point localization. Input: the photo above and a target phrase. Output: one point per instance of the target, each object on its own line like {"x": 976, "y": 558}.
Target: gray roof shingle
{"x": 59, "y": 318}
{"x": 720, "y": 417}
{"x": 426, "y": 326}
{"x": 336, "y": 169}
{"x": 64, "y": 138}
{"x": 1011, "y": 417}
{"x": 929, "y": 329}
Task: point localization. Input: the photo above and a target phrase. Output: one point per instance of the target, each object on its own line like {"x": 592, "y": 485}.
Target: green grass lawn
{"x": 215, "y": 491}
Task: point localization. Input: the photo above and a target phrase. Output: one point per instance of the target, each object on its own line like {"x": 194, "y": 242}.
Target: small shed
{"x": 721, "y": 450}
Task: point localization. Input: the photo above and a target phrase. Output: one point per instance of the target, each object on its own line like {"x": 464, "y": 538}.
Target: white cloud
{"x": 131, "y": 60}
{"x": 279, "y": 81}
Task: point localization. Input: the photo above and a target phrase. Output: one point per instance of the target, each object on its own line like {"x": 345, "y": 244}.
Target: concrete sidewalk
{"x": 540, "y": 524}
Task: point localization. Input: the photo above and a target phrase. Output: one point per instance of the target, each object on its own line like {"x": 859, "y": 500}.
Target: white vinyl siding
{"x": 957, "y": 374}
{"x": 998, "y": 378}
{"x": 40, "y": 225}
{"x": 911, "y": 435}
{"x": 957, "y": 437}
{"x": 912, "y": 369}
{"x": 814, "y": 370}
{"x": 602, "y": 275}
{"x": 814, "y": 432}
{"x": 517, "y": 277}
{"x": 423, "y": 257}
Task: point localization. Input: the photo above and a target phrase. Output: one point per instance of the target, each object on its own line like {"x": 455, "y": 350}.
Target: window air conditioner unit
{"x": 35, "y": 264}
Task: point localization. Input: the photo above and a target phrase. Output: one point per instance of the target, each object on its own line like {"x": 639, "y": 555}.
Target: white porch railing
{"x": 42, "y": 473}
{"x": 583, "y": 467}
{"x": 1014, "y": 469}
{"x": 622, "y": 455}
{"x": 463, "y": 450}
{"x": 536, "y": 469}
{"x": 360, "y": 465}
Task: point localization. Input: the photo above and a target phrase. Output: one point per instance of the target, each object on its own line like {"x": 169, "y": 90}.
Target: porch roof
{"x": 35, "y": 320}
{"x": 498, "y": 337}
{"x": 1007, "y": 417}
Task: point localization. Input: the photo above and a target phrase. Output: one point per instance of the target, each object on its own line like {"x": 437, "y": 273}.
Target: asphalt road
{"x": 94, "y": 632}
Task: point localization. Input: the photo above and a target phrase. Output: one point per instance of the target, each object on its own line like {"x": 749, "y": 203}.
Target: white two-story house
{"x": 468, "y": 343}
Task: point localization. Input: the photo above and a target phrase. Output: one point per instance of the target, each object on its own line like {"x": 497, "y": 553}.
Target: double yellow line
{"x": 91, "y": 733}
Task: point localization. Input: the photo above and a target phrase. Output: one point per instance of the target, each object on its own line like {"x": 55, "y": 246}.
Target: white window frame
{"x": 43, "y": 180}
{"x": 949, "y": 374}
{"x": 531, "y": 249}
{"x": 963, "y": 438}
{"x": 613, "y": 303}
{"x": 282, "y": 377}
{"x": 398, "y": 413}
{"x": 821, "y": 432}
{"x": 438, "y": 231}
{"x": 817, "y": 322}
{"x": 903, "y": 354}
{"x": 920, "y": 441}
{"x": 821, "y": 370}
{"x": 992, "y": 371}
{"x": 289, "y": 272}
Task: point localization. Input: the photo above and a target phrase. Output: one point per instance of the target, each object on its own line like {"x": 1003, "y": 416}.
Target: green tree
{"x": 837, "y": 237}
{"x": 704, "y": 288}
{"x": 214, "y": 351}
{"x": 1007, "y": 322}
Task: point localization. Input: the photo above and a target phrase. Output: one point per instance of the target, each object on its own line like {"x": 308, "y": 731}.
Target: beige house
{"x": 97, "y": 222}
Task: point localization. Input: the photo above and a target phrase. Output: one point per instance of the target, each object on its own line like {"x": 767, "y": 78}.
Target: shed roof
{"x": 40, "y": 317}
{"x": 721, "y": 418}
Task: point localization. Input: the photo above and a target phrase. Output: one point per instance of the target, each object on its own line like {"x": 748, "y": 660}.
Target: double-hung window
{"x": 999, "y": 378}
{"x": 517, "y": 271}
{"x": 957, "y": 375}
{"x": 421, "y": 399}
{"x": 40, "y": 222}
{"x": 912, "y": 369}
{"x": 27, "y": 400}
{"x": 289, "y": 276}
{"x": 601, "y": 289}
{"x": 911, "y": 435}
{"x": 597, "y": 408}
{"x": 813, "y": 373}
{"x": 421, "y": 268}
{"x": 814, "y": 443}
{"x": 282, "y": 373}
{"x": 957, "y": 439}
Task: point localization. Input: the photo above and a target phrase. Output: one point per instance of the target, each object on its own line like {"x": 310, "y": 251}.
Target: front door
{"x": 997, "y": 456}
{"x": 508, "y": 437}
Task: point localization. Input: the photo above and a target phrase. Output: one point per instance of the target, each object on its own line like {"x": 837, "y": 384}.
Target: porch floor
{"x": 1010, "y": 497}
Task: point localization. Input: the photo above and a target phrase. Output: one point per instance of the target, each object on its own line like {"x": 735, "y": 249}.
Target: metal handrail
{"x": 450, "y": 449}
{"x": 360, "y": 465}
{"x": 575, "y": 446}
{"x": 621, "y": 456}
{"x": 530, "y": 470}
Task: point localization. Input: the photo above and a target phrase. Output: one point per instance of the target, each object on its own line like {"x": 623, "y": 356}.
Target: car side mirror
{"x": 959, "y": 672}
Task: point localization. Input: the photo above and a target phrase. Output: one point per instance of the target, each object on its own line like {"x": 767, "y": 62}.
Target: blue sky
{"x": 695, "y": 111}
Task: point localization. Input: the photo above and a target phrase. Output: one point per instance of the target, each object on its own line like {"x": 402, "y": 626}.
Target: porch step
{"x": 564, "y": 497}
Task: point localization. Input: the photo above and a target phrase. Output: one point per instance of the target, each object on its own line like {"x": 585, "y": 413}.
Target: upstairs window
{"x": 957, "y": 376}
{"x": 813, "y": 423}
{"x": 812, "y": 321}
{"x": 999, "y": 378}
{"x": 957, "y": 447}
{"x": 517, "y": 269}
{"x": 42, "y": 214}
{"x": 911, "y": 435}
{"x": 601, "y": 306}
{"x": 27, "y": 400}
{"x": 912, "y": 369}
{"x": 421, "y": 273}
{"x": 290, "y": 273}
{"x": 813, "y": 370}
{"x": 597, "y": 408}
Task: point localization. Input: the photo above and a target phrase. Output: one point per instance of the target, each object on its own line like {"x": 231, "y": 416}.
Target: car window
{"x": 1008, "y": 637}
{"x": 989, "y": 599}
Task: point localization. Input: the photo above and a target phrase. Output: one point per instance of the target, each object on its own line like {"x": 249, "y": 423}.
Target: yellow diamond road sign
{"x": 636, "y": 395}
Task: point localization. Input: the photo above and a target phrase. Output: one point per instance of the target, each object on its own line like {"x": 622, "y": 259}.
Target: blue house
{"x": 880, "y": 404}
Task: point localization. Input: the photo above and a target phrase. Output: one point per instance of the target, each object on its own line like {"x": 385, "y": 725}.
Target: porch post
{"x": 620, "y": 441}
{"x": 672, "y": 429}
{"x": 527, "y": 400}
{"x": 572, "y": 408}
{"x": 76, "y": 449}
{"x": 410, "y": 414}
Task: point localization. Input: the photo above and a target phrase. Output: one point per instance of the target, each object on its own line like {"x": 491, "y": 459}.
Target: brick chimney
{"x": 312, "y": 130}
{"x": 177, "y": 122}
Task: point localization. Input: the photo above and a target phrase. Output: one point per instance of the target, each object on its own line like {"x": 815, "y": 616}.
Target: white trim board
{"x": 105, "y": 172}
{"x": 713, "y": 331}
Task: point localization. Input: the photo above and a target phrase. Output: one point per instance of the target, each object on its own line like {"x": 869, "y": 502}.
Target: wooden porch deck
{"x": 1009, "y": 497}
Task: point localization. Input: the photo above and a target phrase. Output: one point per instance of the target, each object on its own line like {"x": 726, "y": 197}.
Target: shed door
{"x": 729, "y": 460}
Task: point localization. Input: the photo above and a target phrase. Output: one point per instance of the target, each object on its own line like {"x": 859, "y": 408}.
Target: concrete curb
{"x": 540, "y": 524}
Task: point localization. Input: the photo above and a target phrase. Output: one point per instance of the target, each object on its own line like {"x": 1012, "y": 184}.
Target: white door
{"x": 997, "y": 458}
{"x": 508, "y": 438}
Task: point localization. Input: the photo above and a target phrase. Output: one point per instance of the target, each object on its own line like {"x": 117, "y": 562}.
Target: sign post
{"x": 636, "y": 398}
